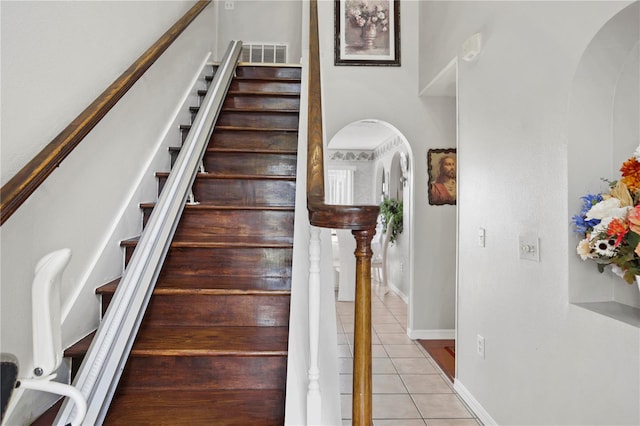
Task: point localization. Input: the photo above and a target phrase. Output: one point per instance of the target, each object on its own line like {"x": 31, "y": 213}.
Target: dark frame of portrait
{"x": 433, "y": 163}
{"x": 350, "y": 49}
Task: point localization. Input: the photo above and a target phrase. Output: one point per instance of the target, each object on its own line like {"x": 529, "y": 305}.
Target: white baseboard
{"x": 399, "y": 293}
{"x": 431, "y": 334}
{"x": 473, "y": 403}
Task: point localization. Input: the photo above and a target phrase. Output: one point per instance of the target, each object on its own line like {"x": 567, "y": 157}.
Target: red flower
{"x": 617, "y": 228}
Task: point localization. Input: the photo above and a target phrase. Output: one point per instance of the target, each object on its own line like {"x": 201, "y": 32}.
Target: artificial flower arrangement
{"x": 610, "y": 224}
{"x": 360, "y": 14}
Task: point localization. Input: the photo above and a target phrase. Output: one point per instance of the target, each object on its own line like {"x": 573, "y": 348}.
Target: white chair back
{"x": 47, "y": 316}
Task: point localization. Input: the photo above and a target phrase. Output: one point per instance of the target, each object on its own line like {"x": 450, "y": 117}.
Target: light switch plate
{"x": 481, "y": 237}
{"x": 529, "y": 247}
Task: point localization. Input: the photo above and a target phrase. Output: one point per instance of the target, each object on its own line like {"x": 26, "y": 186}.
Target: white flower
{"x": 584, "y": 249}
{"x": 605, "y": 248}
{"x": 609, "y": 208}
{"x": 601, "y": 228}
{"x": 636, "y": 153}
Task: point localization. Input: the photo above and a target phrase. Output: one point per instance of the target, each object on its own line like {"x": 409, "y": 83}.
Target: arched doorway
{"x": 379, "y": 158}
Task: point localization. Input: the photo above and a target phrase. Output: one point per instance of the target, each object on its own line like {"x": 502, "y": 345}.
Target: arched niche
{"x": 396, "y": 177}
{"x": 603, "y": 131}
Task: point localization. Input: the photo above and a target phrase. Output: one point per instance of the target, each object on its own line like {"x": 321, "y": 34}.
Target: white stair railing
{"x": 100, "y": 372}
{"x": 314, "y": 397}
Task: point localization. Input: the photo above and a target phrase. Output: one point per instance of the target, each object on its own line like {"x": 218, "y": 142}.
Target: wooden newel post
{"x": 362, "y": 399}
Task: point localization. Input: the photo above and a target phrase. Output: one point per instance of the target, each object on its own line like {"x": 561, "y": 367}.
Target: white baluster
{"x": 314, "y": 399}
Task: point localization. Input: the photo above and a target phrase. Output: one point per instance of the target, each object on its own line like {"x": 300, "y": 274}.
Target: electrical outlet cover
{"x": 480, "y": 346}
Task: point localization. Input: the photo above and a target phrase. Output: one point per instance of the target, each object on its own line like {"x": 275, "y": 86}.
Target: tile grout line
{"x": 392, "y": 308}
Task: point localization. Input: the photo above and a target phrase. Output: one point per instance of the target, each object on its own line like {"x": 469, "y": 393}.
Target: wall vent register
{"x": 264, "y": 53}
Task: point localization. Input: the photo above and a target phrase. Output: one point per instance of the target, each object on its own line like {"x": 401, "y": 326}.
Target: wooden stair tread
{"x": 186, "y": 127}
{"x": 266, "y": 93}
{"x": 236, "y": 243}
{"x": 244, "y": 150}
{"x": 257, "y": 129}
{"x": 216, "y": 284}
{"x": 108, "y": 288}
{"x": 207, "y": 407}
{"x": 268, "y": 79}
{"x": 256, "y": 93}
{"x": 238, "y": 176}
{"x": 81, "y": 346}
{"x": 232, "y": 282}
{"x": 261, "y": 110}
{"x": 243, "y": 241}
{"x": 254, "y": 109}
{"x": 210, "y": 341}
{"x": 210, "y": 206}
{"x": 233, "y": 176}
{"x": 189, "y": 289}
{"x": 254, "y": 150}
{"x": 269, "y": 111}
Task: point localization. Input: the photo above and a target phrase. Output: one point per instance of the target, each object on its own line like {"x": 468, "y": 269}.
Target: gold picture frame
{"x": 442, "y": 170}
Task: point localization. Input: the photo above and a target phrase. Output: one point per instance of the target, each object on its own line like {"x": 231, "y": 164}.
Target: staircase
{"x": 212, "y": 348}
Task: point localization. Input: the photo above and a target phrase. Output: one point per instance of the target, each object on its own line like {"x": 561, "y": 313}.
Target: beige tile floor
{"x": 409, "y": 389}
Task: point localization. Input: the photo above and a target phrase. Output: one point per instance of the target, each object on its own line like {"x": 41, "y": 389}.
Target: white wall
{"x": 348, "y": 97}
{"x": 546, "y": 361}
{"x": 435, "y": 302}
{"x": 398, "y": 252}
{"x": 262, "y": 21}
{"x": 56, "y": 58}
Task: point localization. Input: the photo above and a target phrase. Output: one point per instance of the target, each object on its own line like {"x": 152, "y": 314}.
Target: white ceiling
{"x": 363, "y": 135}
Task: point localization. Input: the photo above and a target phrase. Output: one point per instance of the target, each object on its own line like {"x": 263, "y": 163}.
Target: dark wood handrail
{"x": 33, "y": 174}
{"x": 360, "y": 219}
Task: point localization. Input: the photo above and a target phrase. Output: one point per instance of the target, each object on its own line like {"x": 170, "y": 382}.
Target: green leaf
{"x": 392, "y": 208}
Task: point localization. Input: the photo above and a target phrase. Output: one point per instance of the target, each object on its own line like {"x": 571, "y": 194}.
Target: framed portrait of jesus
{"x": 442, "y": 170}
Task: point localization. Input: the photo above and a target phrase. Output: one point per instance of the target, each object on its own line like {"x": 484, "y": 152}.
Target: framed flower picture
{"x": 441, "y": 164}
{"x": 367, "y": 32}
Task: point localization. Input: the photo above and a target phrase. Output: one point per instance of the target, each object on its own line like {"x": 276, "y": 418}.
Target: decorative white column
{"x": 314, "y": 399}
